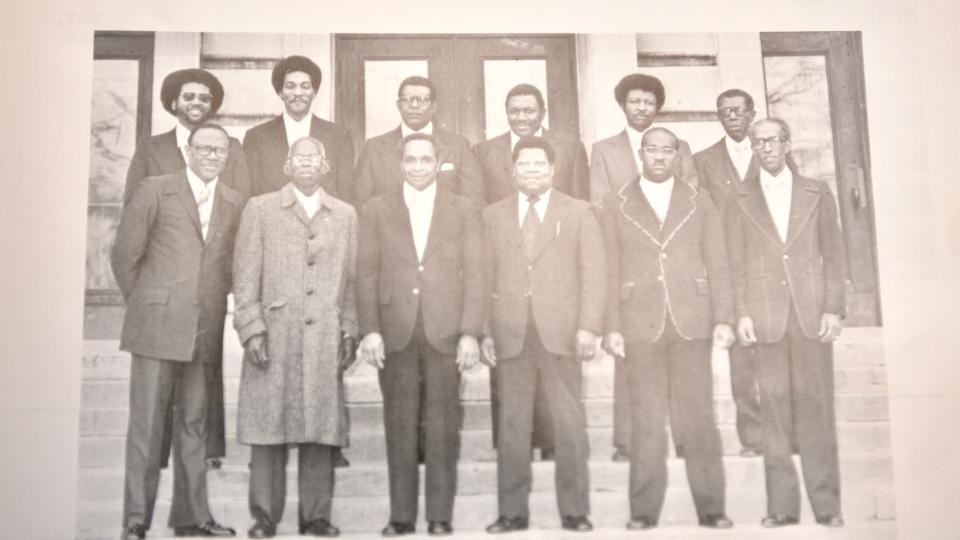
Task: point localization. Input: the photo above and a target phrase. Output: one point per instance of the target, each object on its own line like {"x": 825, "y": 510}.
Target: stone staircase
{"x": 361, "y": 503}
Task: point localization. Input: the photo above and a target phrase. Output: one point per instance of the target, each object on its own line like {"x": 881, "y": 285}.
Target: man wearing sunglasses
{"x": 172, "y": 261}
{"x": 193, "y": 96}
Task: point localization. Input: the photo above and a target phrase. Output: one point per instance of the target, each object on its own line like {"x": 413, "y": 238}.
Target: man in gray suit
{"x": 789, "y": 266}
{"x": 172, "y": 261}
{"x": 722, "y": 169}
{"x": 420, "y": 307}
{"x": 546, "y": 283}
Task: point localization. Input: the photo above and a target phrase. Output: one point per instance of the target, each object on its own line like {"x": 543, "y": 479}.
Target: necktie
{"x": 531, "y": 225}
{"x": 203, "y": 209}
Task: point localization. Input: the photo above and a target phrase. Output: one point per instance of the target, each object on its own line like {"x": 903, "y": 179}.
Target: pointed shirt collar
{"x": 406, "y": 130}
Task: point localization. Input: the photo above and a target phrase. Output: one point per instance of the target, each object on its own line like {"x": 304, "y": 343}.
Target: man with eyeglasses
{"x": 192, "y": 96}
{"x": 296, "y": 80}
{"x": 378, "y": 169}
{"x": 788, "y": 264}
{"x": 296, "y": 316}
{"x": 172, "y": 261}
{"x": 722, "y": 169}
{"x": 614, "y": 163}
{"x": 670, "y": 295}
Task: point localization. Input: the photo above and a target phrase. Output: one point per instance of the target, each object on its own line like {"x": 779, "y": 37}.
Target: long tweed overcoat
{"x": 294, "y": 281}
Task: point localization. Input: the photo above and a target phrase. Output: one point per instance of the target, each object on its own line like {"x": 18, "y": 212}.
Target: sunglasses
{"x": 204, "y": 98}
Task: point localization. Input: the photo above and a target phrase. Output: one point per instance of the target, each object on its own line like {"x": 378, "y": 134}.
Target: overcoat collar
{"x": 288, "y": 199}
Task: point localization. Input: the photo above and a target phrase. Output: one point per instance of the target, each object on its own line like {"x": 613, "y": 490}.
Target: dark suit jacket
{"x": 378, "y": 170}
{"x": 716, "y": 172}
{"x": 572, "y": 174}
{"x": 612, "y": 166}
{"x": 769, "y": 275}
{"x": 175, "y": 284}
{"x": 446, "y": 287}
{"x": 159, "y": 155}
{"x": 678, "y": 271}
{"x": 565, "y": 281}
{"x": 266, "y": 147}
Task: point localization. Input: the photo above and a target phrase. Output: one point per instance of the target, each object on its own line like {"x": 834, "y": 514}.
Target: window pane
{"x": 113, "y": 128}
{"x": 499, "y": 76}
{"x": 381, "y": 80}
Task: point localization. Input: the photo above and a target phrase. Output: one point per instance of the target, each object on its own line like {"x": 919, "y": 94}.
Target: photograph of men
{"x": 296, "y": 80}
{"x": 420, "y": 305}
{"x": 614, "y": 163}
{"x": 378, "y": 169}
{"x": 670, "y": 294}
{"x": 296, "y": 317}
{"x": 722, "y": 169}
{"x": 788, "y": 265}
{"x": 172, "y": 260}
{"x": 542, "y": 323}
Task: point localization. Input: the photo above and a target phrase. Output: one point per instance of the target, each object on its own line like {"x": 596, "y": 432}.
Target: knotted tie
{"x": 531, "y": 225}
{"x": 204, "y": 210}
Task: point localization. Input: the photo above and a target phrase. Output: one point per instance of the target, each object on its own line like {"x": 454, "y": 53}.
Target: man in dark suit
{"x": 614, "y": 163}
{"x": 378, "y": 170}
{"x": 546, "y": 277}
{"x": 669, "y": 294}
{"x": 788, "y": 264}
{"x": 296, "y": 80}
{"x": 420, "y": 307}
{"x": 193, "y": 96}
{"x": 525, "y": 111}
{"x": 172, "y": 261}
{"x": 722, "y": 169}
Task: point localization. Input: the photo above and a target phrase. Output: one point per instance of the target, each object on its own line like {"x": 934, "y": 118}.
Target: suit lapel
{"x": 189, "y": 203}
{"x": 168, "y": 156}
{"x": 682, "y": 206}
{"x": 754, "y": 205}
{"x": 637, "y": 210}
{"x": 391, "y": 160}
{"x": 223, "y": 197}
{"x": 438, "y": 222}
{"x": 399, "y": 218}
{"x": 504, "y": 155}
{"x": 557, "y": 208}
{"x": 804, "y": 197}
{"x": 624, "y": 157}
{"x": 289, "y": 200}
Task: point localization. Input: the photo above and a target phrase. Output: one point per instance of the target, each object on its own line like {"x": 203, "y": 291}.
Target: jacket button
{"x": 415, "y": 291}
{"x": 530, "y": 267}
{"x": 309, "y": 321}
{"x": 312, "y": 236}
{"x": 309, "y": 292}
{"x": 783, "y": 282}
{"x": 420, "y": 268}
{"x": 786, "y": 257}
{"x": 659, "y": 278}
{"x": 663, "y": 255}
{"x": 310, "y": 262}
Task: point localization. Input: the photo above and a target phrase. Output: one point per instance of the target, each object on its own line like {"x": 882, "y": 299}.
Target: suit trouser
{"x": 216, "y": 432}
{"x": 672, "y": 377}
{"x": 517, "y": 379}
{"x": 621, "y": 406}
{"x": 421, "y": 378}
{"x": 743, "y": 384}
{"x": 154, "y": 385}
{"x": 796, "y": 397}
{"x": 542, "y": 422}
{"x": 268, "y": 481}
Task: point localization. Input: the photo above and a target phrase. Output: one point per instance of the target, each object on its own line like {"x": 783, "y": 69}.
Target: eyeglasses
{"x": 306, "y": 158}
{"x": 416, "y": 101}
{"x": 204, "y": 98}
{"x": 736, "y": 111}
{"x": 205, "y": 150}
{"x": 665, "y": 151}
{"x": 761, "y": 142}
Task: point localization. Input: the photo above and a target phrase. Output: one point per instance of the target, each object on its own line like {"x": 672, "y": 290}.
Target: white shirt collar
{"x": 514, "y": 138}
{"x": 310, "y": 203}
{"x": 784, "y": 179}
{"x": 540, "y": 206}
{"x": 414, "y": 197}
{"x": 406, "y": 130}
{"x": 734, "y": 146}
{"x": 658, "y": 194}
{"x": 296, "y": 129}
{"x": 197, "y": 184}
{"x": 183, "y": 134}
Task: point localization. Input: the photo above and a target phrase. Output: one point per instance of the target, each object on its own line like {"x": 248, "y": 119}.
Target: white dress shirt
{"x": 296, "y": 130}
{"x": 740, "y": 154}
{"x": 658, "y": 195}
{"x": 420, "y": 207}
{"x": 203, "y": 194}
{"x": 406, "y": 130}
{"x": 183, "y": 135}
{"x": 540, "y": 207}
{"x": 514, "y": 138}
{"x": 310, "y": 203}
{"x": 778, "y": 192}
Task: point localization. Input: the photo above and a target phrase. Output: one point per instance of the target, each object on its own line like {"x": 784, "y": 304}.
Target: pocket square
{"x": 446, "y": 166}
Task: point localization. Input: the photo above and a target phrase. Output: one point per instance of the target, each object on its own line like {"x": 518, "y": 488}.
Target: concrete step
{"x": 368, "y": 514}
{"x": 476, "y": 445}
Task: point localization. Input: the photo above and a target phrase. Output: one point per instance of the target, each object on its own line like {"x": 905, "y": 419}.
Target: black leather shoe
{"x": 641, "y": 523}
{"x": 319, "y": 527}
{"x": 750, "y": 451}
{"x": 339, "y": 461}
{"x": 396, "y": 528}
{"x": 505, "y": 524}
{"x": 134, "y": 532}
{"x": 547, "y": 454}
{"x": 830, "y": 521}
{"x": 214, "y": 463}
{"x": 778, "y": 520}
{"x": 716, "y": 521}
{"x": 619, "y": 456}
{"x": 208, "y": 529}
{"x": 262, "y": 529}
{"x": 576, "y": 523}
{"x": 440, "y": 528}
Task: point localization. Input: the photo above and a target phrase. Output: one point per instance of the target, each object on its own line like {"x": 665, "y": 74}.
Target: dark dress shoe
{"x": 778, "y": 520}
{"x": 750, "y": 451}
{"x": 439, "y": 528}
{"x": 716, "y": 521}
{"x": 576, "y": 523}
{"x": 830, "y": 521}
{"x": 547, "y": 454}
{"x": 396, "y": 528}
{"x": 214, "y": 463}
{"x": 641, "y": 523}
{"x": 619, "y": 456}
{"x": 208, "y": 529}
{"x": 338, "y": 460}
{"x": 319, "y": 527}
{"x": 262, "y": 529}
{"x": 134, "y": 532}
{"x": 506, "y": 524}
